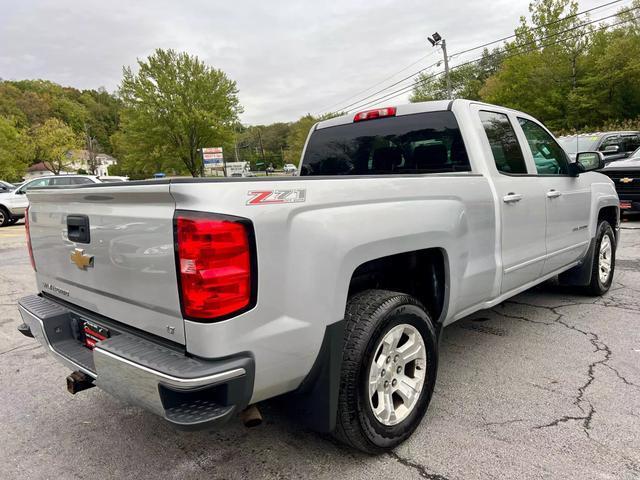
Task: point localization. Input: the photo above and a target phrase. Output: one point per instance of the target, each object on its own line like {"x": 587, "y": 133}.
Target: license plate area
{"x": 625, "y": 205}
{"x": 93, "y": 333}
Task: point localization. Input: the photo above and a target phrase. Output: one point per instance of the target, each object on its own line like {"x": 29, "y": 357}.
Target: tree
{"x": 298, "y": 133}
{"x": 53, "y": 142}
{"x": 15, "y": 150}
{"x": 173, "y": 106}
{"x": 466, "y": 80}
{"x": 542, "y": 71}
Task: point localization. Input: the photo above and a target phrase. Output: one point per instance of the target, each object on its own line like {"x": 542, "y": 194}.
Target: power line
{"x": 390, "y": 86}
{"x": 407, "y": 88}
{"x": 482, "y": 46}
{"x": 424, "y": 57}
{"x": 503, "y": 39}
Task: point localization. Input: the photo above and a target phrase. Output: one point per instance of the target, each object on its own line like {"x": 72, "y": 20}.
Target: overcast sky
{"x": 287, "y": 57}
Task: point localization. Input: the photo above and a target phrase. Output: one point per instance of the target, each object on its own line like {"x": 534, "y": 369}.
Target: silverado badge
{"x": 81, "y": 260}
{"x": 626, "y": 180}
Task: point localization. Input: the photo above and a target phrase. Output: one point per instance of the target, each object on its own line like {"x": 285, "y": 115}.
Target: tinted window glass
{"x": 576, "y": 143}
{"x": 420, "y": 143}
{"x": 41, "y": 182}
{"x": 549, "y": 157}
{"x": 630, "y": 143}
{"x": 504, "y": 144}
{"x": 611, "y": 141}
{"x": 61, "y": 181}
{"x": 80, "y": 181}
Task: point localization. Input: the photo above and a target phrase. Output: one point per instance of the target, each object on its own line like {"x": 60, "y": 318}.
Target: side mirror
{"x": 611, "y": 149}
{"x": 588, "y": 161}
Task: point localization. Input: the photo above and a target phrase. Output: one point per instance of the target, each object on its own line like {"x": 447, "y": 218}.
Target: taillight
{"x": 26, "y": 228}
{"x": 216, "y": 265}
{"x": 377, "y": 113}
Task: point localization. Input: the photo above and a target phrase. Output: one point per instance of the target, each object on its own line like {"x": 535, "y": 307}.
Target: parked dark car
{"x": 614, "y": 145}
{"x": 626, "y": 176}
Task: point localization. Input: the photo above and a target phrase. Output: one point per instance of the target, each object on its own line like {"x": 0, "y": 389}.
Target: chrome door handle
{"x": 553, "y": 194}
{"x": 512, "y": 197}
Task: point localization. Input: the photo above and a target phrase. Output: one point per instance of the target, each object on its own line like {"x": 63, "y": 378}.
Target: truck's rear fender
{"x": 308, "y": 251}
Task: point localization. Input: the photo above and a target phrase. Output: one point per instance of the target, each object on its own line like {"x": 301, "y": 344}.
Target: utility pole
{"x": 235, "y": 140}
{"x": 436, "y": 40}
{"x": 446, "y": 68}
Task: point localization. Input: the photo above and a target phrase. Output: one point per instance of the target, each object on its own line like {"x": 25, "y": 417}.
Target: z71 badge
{"x": 269, "y": 197}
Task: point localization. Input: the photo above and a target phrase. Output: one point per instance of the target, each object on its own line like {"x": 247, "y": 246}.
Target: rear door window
{"x": 630, "y": 143}
{"x": 609, "y": 143}
{"x": 61, "y": 181}
{"x": 80, "y": 181}
{"x": 504, "y": 143}
{"x": 409, "y": 144}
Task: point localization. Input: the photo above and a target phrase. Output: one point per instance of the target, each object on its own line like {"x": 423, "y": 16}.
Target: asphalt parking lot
{"x": 544, "y": 386}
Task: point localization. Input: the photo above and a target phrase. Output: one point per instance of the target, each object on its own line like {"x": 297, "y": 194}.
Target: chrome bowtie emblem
{"x": 626, "y": 180}
{"x": 81, "y": 260}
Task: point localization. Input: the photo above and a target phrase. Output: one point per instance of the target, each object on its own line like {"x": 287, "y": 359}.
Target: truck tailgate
{"x": 126, "y": 271}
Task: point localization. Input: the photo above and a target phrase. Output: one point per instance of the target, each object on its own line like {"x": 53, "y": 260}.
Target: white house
{"x": 78, "y": 161}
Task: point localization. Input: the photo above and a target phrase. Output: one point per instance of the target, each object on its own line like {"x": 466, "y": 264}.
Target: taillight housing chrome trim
{"x": 27, "y": 230}
{"x": 253, "y": 262}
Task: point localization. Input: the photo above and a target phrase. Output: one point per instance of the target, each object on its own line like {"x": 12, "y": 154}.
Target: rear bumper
{"x": 190, "y": 393}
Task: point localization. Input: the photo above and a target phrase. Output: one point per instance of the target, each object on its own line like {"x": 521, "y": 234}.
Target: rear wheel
{"x": 388, "y": 370}
{"x": 5, "y": 218}
{"x": 604, "y": 260}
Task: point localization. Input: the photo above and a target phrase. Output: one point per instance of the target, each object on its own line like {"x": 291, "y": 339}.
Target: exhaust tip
{"x": 251, "y": 416}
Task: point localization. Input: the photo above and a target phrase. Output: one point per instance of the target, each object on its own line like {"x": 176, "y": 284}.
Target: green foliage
{"x": 466, "y": 81}
{"x": 29, "y": 104}
{"x": 15, "y": 150}
{"x": 53, "y": 142}
{"x": 298, "y": 133}
{"x": 563, "y": 72}
{"x": 173, "y": 106}
{"x": 297, "y": 137}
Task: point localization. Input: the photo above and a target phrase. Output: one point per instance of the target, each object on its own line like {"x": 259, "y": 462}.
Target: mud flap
{"x": 580, "y": 275}
{"x": 315, "y": 403}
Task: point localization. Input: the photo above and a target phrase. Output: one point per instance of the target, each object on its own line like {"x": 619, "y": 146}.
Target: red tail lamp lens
{"x": 214, "y": 265}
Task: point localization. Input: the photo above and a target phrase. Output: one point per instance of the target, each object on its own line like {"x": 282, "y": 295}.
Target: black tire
{"x": 597, "y": 287}
{"x": 369, "y": 316}
{"x": 5, "y": 218}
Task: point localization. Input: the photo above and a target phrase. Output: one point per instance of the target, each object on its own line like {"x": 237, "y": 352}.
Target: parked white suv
{"x": 14, "y": 202}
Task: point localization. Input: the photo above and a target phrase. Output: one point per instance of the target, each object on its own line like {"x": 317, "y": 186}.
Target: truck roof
{"x": 404, "y": 109}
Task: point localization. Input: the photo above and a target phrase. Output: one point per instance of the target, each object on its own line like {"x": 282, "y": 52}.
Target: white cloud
{"x": 288, "y": 57}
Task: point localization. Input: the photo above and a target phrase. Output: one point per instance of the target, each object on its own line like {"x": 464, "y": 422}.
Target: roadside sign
{"x": 212, "y": 156}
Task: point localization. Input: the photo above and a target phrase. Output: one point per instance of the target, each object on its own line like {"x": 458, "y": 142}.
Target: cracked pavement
{"x": 545, "y": 385}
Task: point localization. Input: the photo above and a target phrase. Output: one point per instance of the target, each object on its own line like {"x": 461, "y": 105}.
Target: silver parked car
{"x": 14, "y": 202}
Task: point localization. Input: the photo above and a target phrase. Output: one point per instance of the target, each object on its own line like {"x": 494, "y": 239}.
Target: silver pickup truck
{"x": 198, "y": 298}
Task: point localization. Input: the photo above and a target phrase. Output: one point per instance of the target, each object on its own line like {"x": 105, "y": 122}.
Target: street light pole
{"x": 446, "y": 68}
{"x": 436, "y": 40}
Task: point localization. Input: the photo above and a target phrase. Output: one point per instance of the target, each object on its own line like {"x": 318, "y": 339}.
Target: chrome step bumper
{"x": 189, "y": 392}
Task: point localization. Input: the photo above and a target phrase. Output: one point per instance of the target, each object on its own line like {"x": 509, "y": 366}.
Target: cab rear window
{"x": 410, "y": 144}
